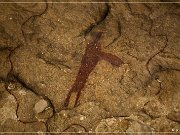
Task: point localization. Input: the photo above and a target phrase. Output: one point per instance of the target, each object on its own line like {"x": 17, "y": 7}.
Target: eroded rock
{"x": 41, "y": 47}
{"x": 174, "y": 115}
{"x": 8, "y": 106}
{"x": 86, "y": 116}
{"x": 40, "y": 106}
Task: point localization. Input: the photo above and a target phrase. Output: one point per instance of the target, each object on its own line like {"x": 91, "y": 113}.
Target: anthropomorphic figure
{"x": 93, "y": 54}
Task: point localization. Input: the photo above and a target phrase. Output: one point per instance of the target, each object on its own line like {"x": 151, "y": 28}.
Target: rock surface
{"x": 41, "y": 47}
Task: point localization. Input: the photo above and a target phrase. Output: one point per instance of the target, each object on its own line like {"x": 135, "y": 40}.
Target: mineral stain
{"x": 93, "y": 54}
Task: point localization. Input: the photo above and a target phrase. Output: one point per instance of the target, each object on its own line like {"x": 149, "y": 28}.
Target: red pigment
{"x": 93, "y": 54}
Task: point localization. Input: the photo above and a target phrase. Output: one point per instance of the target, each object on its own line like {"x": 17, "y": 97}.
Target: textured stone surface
{"x": 41, "y": 47}
{"x": 40, "y": 106}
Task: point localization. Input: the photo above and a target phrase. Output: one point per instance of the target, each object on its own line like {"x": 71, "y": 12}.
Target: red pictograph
{"x": 93, "y": 54}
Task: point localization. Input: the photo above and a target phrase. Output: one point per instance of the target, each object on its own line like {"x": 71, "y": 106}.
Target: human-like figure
{"x": 93, "y": 54}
